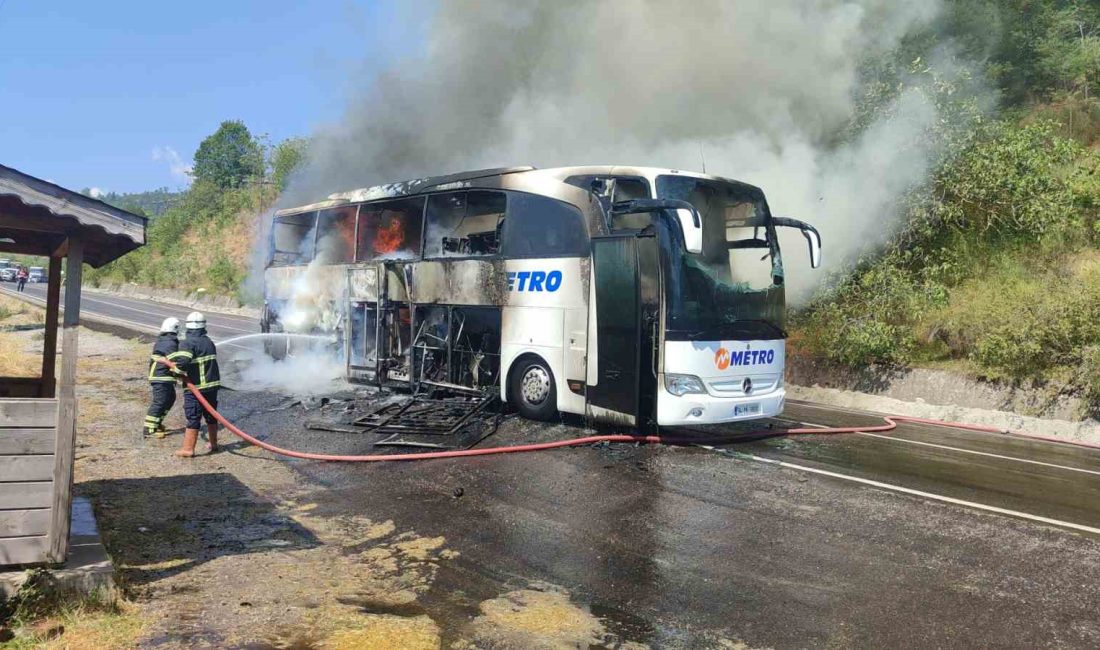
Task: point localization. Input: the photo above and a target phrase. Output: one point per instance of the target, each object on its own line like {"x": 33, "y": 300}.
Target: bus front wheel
{"x": 533, "y": 390}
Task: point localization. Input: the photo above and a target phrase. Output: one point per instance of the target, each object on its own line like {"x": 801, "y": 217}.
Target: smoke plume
{"x": 757, "y": 88}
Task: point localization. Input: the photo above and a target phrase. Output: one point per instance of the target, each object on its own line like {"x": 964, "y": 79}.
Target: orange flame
{"x": 390, "y": 237}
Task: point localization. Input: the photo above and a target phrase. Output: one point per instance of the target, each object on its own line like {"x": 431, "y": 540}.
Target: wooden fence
{"x": 28, "y": 447}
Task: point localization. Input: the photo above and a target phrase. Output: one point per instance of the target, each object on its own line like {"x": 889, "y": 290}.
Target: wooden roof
{"x": 36, "y": 218}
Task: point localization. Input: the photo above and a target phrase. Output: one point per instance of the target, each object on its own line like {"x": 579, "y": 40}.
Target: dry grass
{"x": 84, "y": 627}
{"x": 15, "y": 312}
{"x": 15, "y": 359}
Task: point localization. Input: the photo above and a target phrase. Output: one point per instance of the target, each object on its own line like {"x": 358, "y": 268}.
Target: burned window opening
{"x": 292, "y": 239}
{"x": 464, "y": 224}
{"x": 336, "y": 235}
{"x": 390, "y": 230}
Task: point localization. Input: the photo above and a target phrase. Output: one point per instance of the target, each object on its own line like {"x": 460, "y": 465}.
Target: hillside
{"x": 203, "y": 238}
{"x": 151, "y": 203}
{"x": 996, "y": 271}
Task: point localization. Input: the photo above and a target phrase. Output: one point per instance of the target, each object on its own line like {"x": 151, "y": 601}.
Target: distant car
{"x": 8, "y": 274}
{"x": 36, "y": 274}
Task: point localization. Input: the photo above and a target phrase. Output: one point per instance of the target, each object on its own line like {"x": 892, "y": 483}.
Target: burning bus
{"x": 633, "y": 295}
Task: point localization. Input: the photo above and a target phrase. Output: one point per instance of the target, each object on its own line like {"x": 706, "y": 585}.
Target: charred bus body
{"x": 634, "y": 295}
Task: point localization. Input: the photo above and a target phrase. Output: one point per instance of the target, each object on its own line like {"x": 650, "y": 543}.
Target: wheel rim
{"x": 535, "y": 385}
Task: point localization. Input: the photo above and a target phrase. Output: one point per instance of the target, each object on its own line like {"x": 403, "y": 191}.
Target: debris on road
{"x": 441, "y": 419}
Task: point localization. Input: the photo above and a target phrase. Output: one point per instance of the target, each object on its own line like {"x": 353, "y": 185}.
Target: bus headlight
{"x": 683, "y": 384}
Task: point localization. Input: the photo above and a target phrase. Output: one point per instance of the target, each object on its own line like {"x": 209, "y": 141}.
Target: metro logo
{"x": 534, "y": 281}
{"x": 722, "y": 358}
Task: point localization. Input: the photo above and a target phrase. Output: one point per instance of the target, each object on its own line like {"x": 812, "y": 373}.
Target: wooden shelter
{"x": 38, "y": 415}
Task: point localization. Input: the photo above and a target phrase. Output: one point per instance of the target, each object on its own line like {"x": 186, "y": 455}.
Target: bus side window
{"x": 464, "y": 224}
{"x": 539, "y": 226}
{"x": 292, "y": 239}
{"x": 336, "y": 235}
{"x": 390, "y": 230}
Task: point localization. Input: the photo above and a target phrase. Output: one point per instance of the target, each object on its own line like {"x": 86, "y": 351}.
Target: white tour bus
{"x": 632, "y": 295}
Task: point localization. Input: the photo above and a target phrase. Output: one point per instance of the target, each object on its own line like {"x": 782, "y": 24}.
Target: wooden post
{"x": 66, "y": 418}
{"x": 49, "y": 343}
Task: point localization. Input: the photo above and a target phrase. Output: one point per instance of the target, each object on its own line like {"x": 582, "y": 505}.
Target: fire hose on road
{"x": 891, "y": 423}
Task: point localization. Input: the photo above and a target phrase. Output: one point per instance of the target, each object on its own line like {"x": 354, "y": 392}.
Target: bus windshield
{"x": 733, "y": 288}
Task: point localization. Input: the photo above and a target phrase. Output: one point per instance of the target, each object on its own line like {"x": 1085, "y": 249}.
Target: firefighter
{"x": 161, "y": 379}
{"x": 199, "y": 362}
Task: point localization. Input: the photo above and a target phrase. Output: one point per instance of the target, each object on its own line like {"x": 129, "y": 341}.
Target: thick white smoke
{"x": 758, "y": 87}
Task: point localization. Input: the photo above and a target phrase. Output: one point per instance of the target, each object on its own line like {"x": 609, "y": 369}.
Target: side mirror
{"x": 691, "y": 224}
{"x": 813, "y": 237}
{"x": 693, "y": 230}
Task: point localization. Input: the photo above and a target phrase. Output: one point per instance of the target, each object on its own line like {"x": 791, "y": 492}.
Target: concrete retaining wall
{"x": 194, "y": 299}
{"x": 935, "y": 387}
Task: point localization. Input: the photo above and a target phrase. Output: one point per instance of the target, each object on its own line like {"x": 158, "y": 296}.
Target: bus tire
{"x": 532, "y": 389}
{"x": 276, "y": 346}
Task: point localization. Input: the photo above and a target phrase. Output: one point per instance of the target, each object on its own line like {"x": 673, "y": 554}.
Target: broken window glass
{"x": 464, "y": 224}
{"x": 336, "y": 235}
{"x": 539, "y": 226}
{"x": 734, "y": 287}
{"x": 292, "y": 239}
{"x": 390, "y": 229}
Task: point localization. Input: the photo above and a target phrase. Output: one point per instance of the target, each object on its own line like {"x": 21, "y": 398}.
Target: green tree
{"x": 229, "y": 156}
{"x": 285, "y": 158}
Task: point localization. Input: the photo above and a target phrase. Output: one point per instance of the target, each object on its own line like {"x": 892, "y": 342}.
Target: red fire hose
{"x": 891, "y": 423}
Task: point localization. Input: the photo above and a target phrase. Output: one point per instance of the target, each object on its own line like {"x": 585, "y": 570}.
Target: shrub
{"x": 1089, "y": 378}
{"x": 223, "y": 275}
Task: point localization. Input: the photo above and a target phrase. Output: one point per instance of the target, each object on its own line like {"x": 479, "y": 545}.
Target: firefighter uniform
{"x": 161, "y": 380}
{"x": 199, "y": 360}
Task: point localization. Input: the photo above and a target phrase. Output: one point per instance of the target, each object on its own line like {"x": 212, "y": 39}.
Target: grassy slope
{"x": 1000, "y": 278}
{"x": 204, "y": 241}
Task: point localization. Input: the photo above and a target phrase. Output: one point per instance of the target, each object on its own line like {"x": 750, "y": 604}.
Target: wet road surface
{"x": 688, "y": 547}
{"x": 143, "y": 316}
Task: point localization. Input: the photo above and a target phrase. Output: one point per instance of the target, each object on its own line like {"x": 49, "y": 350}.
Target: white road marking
{"x": 950, "y": 448}
{"x": 920, "y": 493}
{"x": 984, "y": 453}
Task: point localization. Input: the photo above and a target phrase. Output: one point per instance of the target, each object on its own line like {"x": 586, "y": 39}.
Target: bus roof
{"x": 462, "y": 179}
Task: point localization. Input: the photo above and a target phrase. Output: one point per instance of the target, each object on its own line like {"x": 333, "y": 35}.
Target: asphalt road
{"x": 687, "y": 547}
{"x": 923, "y": 536}
{"x": 144, "y": 316}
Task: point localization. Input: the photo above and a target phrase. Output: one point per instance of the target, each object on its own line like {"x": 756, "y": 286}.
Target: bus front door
{"x": 627, "y": 289}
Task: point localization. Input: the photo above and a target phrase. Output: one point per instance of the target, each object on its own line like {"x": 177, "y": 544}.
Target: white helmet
{"x": 170, "y": 325}
{"x": 196, "y": 321}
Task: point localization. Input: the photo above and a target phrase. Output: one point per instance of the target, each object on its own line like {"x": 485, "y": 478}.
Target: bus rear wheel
{"x": 533, "y": 390}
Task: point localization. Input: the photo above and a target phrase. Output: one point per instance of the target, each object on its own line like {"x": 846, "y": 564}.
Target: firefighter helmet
{"x": 196, "y": 321}
{"x": 171, "y": 325}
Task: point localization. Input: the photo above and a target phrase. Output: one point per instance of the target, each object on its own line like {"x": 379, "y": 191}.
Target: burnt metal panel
{"x": 458, "y": 282}
{"x": 363, "y": 283}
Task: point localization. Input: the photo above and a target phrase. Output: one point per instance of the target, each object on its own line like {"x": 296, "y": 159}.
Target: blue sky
{"x": 106, "y": 94}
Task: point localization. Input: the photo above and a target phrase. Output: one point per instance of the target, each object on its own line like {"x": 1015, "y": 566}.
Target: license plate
{"x": 746, "y": 409}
